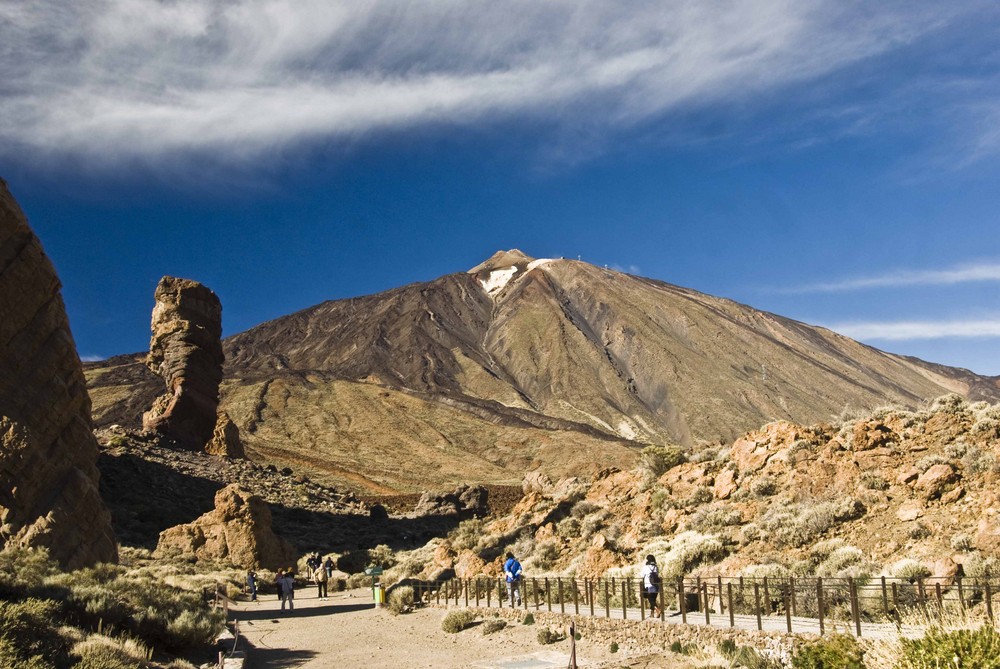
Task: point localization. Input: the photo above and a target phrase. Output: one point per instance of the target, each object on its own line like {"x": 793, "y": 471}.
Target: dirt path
{"x": 348, "y": 631}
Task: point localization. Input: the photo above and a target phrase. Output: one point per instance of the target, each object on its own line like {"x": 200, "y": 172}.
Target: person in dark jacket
{"x": 512, "y": 573}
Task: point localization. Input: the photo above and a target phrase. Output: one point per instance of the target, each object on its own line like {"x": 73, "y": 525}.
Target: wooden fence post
{"x": 682, "y": 599}
{"x": 791, "y": 585}
{"x": 855, "y": 606}
{"x": 548, "y": 595}
{"x": 989, "y": 602}
{"x": 704, "y": 589}
{"x": 788, "y": 608}
{"x": 819, "y": 602}
{"x": 624, "y": 601}
{"x": 607, "y": 600}
{"x": 562, "y": 600}
{"x": 756, "y": 602}
{"x": 729, "y": 592}
{"x": 642, "y": 602}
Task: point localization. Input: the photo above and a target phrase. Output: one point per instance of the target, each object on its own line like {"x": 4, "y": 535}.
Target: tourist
{"x": 512, "y": 572}
{"x": 321, "y": 577}
{"x": 252, "y": 584}
{"x": 328, "y": 565}
{"x": 286, "y": 589}
{"x": 650, "y": 575}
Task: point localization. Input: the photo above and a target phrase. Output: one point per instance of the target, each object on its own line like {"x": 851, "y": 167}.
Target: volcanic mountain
{"x": 524, "y": 363}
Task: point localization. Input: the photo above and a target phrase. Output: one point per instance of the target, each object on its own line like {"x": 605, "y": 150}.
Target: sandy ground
{"x": 348, "y": 631}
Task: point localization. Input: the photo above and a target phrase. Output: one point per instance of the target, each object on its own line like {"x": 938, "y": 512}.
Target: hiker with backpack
{"x": 512, "y": 573}
{"x": 650, "y": 575}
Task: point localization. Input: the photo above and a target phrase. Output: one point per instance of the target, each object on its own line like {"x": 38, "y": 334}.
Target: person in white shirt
{"x": 651, "y": 584}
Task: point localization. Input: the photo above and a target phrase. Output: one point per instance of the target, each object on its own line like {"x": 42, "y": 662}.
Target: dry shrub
{"x": 493, "y": 625}
{"x": 547, "y": 635}
{"x": 456, "y": 621}
{"x": 401, "y": 600}
{"x": 103, "y": 652}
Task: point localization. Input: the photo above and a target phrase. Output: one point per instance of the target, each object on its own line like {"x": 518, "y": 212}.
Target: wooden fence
{"x": 802, "y": 602}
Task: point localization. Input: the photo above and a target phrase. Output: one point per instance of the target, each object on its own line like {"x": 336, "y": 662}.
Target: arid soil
{"x": 348, "y": 631}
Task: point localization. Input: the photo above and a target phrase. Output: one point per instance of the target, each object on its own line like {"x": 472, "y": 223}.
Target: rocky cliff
{"x": 48, "y": 478}
{"x": 186, "y": 352}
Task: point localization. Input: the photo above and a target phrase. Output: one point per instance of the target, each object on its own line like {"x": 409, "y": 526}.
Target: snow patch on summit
{"x": 498, "y": 279}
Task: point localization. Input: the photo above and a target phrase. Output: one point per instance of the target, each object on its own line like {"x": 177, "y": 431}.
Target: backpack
{"x": 654, "y": 578}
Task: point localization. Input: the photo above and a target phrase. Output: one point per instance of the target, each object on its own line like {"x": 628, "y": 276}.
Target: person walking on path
{"x": 252, "y": 584}
{"x": 321, "y": 577}
{"x": 328, "y": 566}
{"x": 650, "y": 575}
{"x": 286, "y": 589}
{"x": 512, "y": 572}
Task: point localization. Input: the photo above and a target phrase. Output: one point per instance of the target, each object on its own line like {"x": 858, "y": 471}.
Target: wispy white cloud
{"x": 909, "y": 330}
{"x": 970, "y": 273}
{"x": 91, "y": 358}
{"x": 119, "y": 78}
{"x": 628, "y": 269}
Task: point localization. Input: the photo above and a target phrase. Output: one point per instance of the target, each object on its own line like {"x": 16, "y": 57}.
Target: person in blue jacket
{"x": 512, "y": 572}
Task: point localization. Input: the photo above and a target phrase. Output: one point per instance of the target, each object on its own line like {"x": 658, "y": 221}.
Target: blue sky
{"x": 835, "y": 162}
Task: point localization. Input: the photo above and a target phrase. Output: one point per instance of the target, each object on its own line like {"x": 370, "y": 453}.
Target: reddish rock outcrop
{"x": 186, "y": 351}
{"x": 237, "y": 531}
{"x": 48, "y": 475}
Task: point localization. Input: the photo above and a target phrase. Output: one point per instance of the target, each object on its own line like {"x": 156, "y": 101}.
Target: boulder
{"x": 752, "y": 452}
{"x": 225, "y": 441}
{"x": 465, "y": 500}
{"x": 725, "y": 484}
{"x": 238, "y": 531}
{"x": 48, "y": 475}
{"x": 872, "y": 434}
{"x": 910, "y": 510}
{"x": 186, "y": 352}
{"x": 933, "y": 482}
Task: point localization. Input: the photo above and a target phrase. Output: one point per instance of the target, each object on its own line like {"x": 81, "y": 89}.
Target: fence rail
{"x": 802, "y": 604}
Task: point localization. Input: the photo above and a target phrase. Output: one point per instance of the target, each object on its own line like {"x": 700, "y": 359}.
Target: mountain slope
{"x": 522, "y": 363}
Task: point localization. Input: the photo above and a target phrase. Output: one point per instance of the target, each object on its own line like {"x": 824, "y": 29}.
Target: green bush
{"x": 727, "y": 648}
{"x": 614, "y": 647}
{"x": 657, "y": 460}
{"x": 837, "y": 651}
{"x": 547, "y": 636}
{"x": 959, "y": 649}
{"x": 29, "y": 635}
{"x": 529, "y": 619}
{"x": 456, "y": 621}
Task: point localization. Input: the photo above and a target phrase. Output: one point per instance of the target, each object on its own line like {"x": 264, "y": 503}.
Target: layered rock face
{"x": 48, "y": 475}
{"x": 186, "y": 351}
{"x": 237, "y": 531}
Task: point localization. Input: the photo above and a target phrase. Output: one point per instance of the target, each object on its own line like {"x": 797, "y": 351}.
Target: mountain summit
{"x": 524, "y": 363}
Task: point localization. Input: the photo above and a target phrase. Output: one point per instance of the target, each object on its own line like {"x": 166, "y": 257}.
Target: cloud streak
{"x": 912, "y": 330}
{"x": 970, "y": 273}
{"x": 112, "y": 79}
